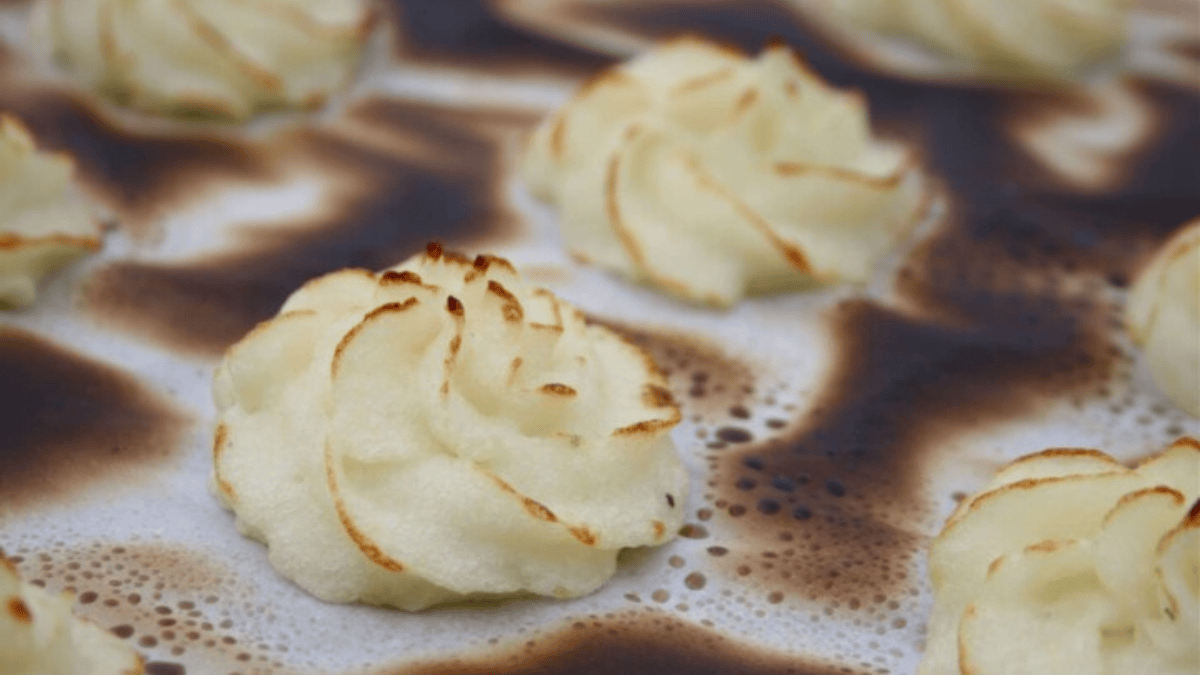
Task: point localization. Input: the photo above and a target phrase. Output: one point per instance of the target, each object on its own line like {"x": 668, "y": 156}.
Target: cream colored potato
{"x": 1041, "y": 610}
{"x": 222, "y": 57}
{"x": 43, "y": 223}
{"x": 40, "y": 636}
{"x": 1027, "y": 38}
{"x": 443, "y": 430}
{"x": 1163, "y": 314}
{"x": 1092, "y": 570}
{"x": 1055, "y": 462}
{"x": 710, "y": 175}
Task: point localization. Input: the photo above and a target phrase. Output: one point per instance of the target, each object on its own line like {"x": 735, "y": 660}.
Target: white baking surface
{"x": 784, "y": 340}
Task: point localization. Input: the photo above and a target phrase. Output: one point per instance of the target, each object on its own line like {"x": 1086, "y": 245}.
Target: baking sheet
{"x": 827, "y": 433}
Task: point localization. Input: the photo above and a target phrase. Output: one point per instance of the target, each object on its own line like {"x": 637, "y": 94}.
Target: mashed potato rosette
{"x": 710, "y": 175}
{"x": 1070, "y": 562}
{"x": 222, "y": 57}
{"x": 1164, "y": 317}
{"x": 442, "y": 430}
{"x": 44, "y": 224}
{"x": 1043, "y": 39}
{"x": 40, "y": 636}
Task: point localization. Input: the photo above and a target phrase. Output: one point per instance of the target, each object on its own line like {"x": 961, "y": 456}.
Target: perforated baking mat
{"x": 828, "y": 433}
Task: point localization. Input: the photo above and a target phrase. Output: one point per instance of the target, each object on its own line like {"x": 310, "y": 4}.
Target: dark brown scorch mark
{"x": 70, "y": 421}
{"x": 139, "y": 173}
{"x": 470, "y": 33}
{"x": 393, "y": 206}
{"x": 1189, "y": 49}
{"x": 1011, "y": 220}
{"x": 634, "y": 644}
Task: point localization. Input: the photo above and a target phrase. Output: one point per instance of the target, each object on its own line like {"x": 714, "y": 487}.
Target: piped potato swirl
{"x": 40, "y": 636}
{"x": 227, "y": 58}
{"x": 709, "y": 175}
{"x": 442, "y": 430}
